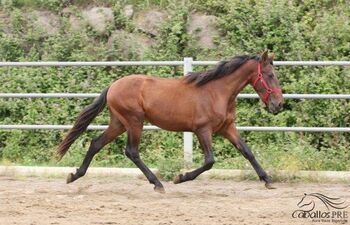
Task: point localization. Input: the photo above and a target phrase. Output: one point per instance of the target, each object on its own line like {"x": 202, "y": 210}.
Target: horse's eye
{"x": 271, "y": 75}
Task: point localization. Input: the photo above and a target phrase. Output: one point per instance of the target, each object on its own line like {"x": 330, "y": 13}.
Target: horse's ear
{"x": 264, "y": 57}
{"x": 272, "y": 56}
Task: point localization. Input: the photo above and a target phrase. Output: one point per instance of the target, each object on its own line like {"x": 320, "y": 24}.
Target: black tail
{"x": 81, "y": 124}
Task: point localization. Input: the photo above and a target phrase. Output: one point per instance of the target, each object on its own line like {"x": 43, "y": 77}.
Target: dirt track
{"x": 132, "y": 201}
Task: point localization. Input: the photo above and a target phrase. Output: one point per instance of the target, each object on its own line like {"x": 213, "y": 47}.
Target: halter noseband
{"x": 268, "y": 90}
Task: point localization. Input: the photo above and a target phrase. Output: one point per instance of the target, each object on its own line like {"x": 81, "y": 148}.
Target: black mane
{"x": 222, "y": 69}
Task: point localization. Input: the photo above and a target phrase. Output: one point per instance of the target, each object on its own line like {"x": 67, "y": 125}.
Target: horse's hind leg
{"x": 132, "y": 152}
{"x": 205, "y": 140}
{"x": 114, "y": 129}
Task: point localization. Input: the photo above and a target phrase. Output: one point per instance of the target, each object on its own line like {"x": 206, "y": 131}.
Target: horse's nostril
{"x": 276, "y": 104}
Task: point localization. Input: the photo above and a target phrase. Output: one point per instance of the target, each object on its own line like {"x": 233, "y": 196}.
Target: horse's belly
{"x": 169, "y": 122}
{"x": 168, "y": 106}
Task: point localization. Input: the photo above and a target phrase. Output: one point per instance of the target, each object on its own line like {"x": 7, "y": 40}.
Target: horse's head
{"x": 266, "y": 84}
{"x": 306, "y": 203}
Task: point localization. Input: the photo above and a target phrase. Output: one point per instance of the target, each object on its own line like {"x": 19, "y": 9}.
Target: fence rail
{"x": 111, "y": 63}
{"x": 187, "y": 64}
{"x": 150, "y": 128}
{"x": 165, "y": 63}
{"x": 94, "y": 95}
{"x": 287, "y": 63}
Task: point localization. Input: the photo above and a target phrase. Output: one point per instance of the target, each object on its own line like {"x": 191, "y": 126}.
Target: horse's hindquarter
{"x": 124, "y": 98}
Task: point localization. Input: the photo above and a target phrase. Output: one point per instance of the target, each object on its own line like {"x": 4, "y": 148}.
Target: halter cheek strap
{"x": 268, "y": 90}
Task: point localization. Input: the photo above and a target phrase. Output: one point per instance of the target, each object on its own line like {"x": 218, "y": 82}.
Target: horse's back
{"x": 138, "y": 85}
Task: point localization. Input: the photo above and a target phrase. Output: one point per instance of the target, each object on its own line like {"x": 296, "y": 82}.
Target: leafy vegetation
{"x": 293, "y": 30}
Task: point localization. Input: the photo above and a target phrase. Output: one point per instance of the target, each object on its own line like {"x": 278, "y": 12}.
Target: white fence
{"x": 187, "y": 64}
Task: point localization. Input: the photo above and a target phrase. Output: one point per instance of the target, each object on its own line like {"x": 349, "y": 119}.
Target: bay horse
{"x": 201, "y": 102}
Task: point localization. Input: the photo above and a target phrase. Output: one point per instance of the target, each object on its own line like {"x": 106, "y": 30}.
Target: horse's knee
{"x": 209, "y": 164}
{"x": 244, "y": 149}
{"x": 248, "y": 154}
{"x": 132, "y": 154}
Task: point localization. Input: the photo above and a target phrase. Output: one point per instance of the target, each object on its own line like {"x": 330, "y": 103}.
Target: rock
{"x": 128, "y": 11}
{"x": 5, "y": 22}
{"x": 130, "y": 43}
{"x": 45, "y": 20}
{"x": 203, "y": 29}
{"x": 67, "y": 11}
{"x": 150, "y": 21}
{"x": 98, "y": 17}
{"x": 76, "y": 23}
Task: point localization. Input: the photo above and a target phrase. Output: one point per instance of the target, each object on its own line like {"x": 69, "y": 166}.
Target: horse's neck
{"x": 232, "y": 84}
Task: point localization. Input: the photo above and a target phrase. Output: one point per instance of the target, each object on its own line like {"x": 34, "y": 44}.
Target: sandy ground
{"x": 111, "y": 200}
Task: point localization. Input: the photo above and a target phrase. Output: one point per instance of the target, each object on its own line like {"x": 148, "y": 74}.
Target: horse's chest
{"x": 222, "y": 115}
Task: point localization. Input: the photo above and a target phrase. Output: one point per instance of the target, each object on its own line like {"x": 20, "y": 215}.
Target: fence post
{"x": 188, "y": 136}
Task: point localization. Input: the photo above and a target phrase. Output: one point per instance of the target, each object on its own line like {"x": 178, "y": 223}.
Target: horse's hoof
{"x": 269, "y": 186}
{"x": 159, "y": 189}
{"x": 70, "y": 178}
{"x": 177, "y": 179}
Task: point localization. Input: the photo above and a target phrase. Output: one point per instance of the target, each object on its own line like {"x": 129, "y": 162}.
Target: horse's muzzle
{"x": 275, "y": 107}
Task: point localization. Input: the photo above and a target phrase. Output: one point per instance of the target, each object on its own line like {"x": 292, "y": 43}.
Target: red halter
{"x": 269, "y": 91}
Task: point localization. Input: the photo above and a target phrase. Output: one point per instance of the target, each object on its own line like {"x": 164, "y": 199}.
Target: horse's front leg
{"x": 231, "y": 133}
{"x": 205, "y": 140}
